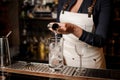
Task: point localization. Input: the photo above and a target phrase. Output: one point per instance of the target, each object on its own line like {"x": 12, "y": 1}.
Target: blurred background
{"x": 28, "y": 19}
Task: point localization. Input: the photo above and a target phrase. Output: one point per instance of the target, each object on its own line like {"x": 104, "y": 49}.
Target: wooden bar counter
{"x": 69, "y": 73}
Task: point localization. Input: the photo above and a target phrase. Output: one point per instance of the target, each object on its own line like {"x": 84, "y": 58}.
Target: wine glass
{"x": 80, "y": 50}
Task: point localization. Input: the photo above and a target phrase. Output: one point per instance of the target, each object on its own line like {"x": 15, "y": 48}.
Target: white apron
{"x": 93, "y": 57}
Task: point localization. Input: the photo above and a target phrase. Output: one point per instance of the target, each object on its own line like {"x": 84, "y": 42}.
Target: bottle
{"x": 53, "y": 26}
{"x": 42, "y": 49}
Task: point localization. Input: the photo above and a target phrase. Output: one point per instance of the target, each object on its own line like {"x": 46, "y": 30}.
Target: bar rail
{"x": 67, "y": 72}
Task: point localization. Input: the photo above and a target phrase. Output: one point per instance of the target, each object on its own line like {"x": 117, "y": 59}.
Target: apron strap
{"x": 66, "y": 4}
{"x": 90, "y": 9}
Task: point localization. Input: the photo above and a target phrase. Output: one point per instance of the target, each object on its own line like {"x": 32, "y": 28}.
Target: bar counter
{"x": 67, "y": 72}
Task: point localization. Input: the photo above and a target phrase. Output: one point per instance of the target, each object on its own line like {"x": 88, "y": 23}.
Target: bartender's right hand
{"x": 61, "y": 28}
{"x": 67, "y": 28}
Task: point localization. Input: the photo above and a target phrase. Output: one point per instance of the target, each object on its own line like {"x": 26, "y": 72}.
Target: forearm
{"x": 92, "y": 39}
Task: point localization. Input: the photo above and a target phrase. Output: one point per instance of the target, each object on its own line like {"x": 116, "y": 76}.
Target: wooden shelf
{"x": 117, "y": 19}
{"x": 41, "y": 18}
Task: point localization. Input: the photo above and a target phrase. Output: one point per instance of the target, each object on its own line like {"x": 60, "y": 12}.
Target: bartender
{"x": 84, "y": 26}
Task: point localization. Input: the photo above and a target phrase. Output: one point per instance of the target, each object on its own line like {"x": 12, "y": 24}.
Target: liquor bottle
{"x": 42, "y": 49}
{"x": 53, "y": 26}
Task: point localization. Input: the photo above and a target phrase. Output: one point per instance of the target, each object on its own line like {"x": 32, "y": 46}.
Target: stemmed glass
{"x": 80, "y": 50}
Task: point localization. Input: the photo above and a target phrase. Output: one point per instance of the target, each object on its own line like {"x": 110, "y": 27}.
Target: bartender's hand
{"x": 67, "y": 28}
